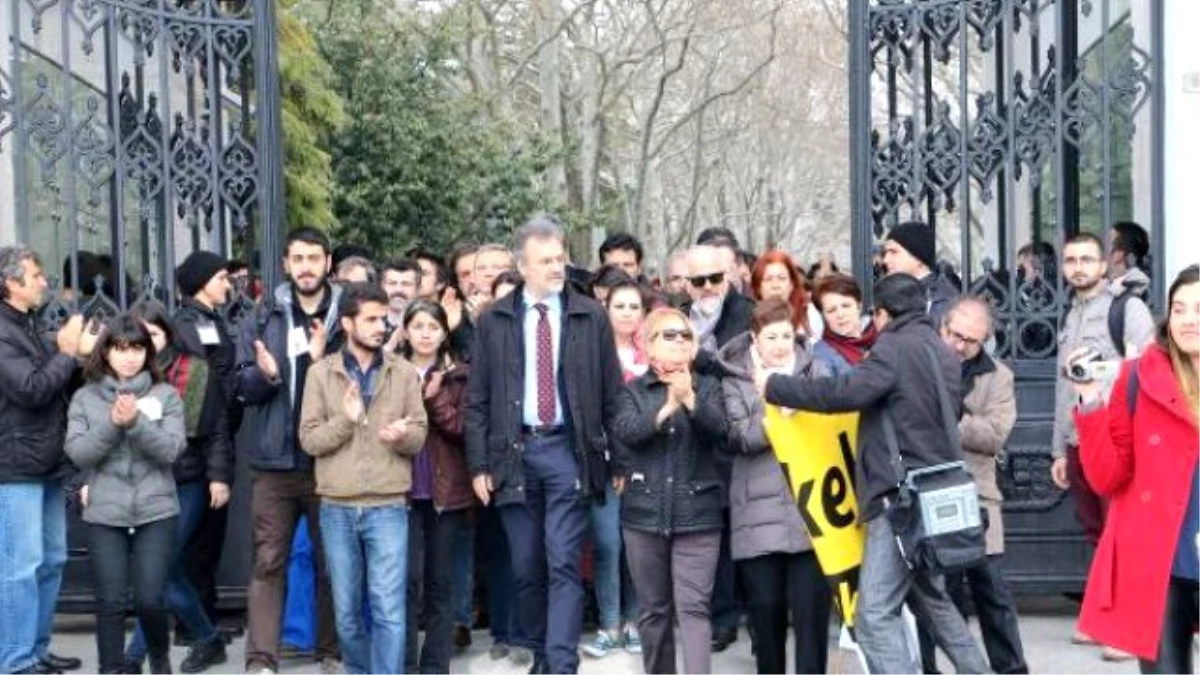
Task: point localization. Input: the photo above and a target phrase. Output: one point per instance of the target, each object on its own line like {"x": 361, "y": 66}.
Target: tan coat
{"x": 353, "y": 465}
{"x": 989, "y": 413}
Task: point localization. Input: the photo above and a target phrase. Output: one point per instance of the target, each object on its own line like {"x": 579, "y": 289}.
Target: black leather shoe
{"x": 721, "y": 639}
{"x": 62, "y": 662}
{"x": 540, "y": 667}
{"x": 203, "y": 656}
{"x": 160, "y": 665}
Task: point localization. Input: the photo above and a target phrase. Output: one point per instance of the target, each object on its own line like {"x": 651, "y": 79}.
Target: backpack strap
{"x": 1131, "y": 388}
{"x": 1116, "y": 320}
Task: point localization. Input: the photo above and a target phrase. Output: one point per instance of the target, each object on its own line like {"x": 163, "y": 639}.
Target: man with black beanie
{"x": 895, "y": 390}
{"x": 910, "y": 248}
{"x": 201, "y": 331}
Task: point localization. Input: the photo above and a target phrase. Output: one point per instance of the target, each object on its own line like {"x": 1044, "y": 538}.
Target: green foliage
{"x": 418, "y": 161}
{"x": 312, "y": 112}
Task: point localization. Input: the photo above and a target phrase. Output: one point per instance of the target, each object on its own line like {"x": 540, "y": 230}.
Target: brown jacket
{"x": 353, "y": 465}
{"x": 451, "y": 481}
{"x": 989, "y": 413}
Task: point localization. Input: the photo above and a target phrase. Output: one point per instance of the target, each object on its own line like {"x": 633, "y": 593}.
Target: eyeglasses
{"x": 676, "y": 335}
{"x": 962, "y": 339}
{"x": 715, "y": 279}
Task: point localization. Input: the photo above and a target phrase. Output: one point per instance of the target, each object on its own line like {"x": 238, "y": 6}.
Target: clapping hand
{"x": 70, "y": 335}
{"x": 352, "y": 403}
{"x": 434, "y": 386}
{"x": 124, "y": 410}
{"x": 266, "y": 362}
{"x": 394, "y": 432}
{"x": 318, "y": 340}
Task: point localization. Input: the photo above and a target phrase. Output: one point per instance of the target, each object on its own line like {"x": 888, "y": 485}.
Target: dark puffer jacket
{"x": 674, "y": 485}
{"x": 35, "y": 386}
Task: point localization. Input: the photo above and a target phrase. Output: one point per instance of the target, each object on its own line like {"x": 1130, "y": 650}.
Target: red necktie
{"x": 545, "y": 367}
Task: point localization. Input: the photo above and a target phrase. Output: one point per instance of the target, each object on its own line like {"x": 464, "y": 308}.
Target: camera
{"x": 1089, "y": 367}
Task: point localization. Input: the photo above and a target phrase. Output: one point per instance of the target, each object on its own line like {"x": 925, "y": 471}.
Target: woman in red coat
{"x": 1141, "y": 453}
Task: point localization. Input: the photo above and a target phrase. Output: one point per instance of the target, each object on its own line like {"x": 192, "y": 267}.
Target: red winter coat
{"x": 1144, "y": 464}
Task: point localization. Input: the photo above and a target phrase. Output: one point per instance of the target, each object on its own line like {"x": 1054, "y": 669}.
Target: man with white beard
{"x": 718, "y": 314}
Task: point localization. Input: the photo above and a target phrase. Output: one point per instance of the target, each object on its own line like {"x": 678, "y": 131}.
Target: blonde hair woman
{"x": 671, "y": 423}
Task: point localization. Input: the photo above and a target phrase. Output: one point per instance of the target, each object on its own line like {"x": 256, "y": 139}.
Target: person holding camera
{"x": 1091, "y": 319}
{"x": 1140, "y": 452}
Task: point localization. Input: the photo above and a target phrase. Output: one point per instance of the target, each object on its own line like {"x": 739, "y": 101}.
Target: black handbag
{"x": 935, "y": 513}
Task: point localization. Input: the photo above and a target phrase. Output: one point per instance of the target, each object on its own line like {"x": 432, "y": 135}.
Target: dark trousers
{"x": 202, "y": 553}
{"x": 276, "y": 503}
{"x": 726, "y": 605}
{"x": 673, "y": 577}
{"x": 774, "y": 585}
{"x": 985, "y": 587}
{"x": 545, "y": 538}
{"x": 431, "y": 537}
{"x": 495, "y": 561}
{"x": 119, "y": 556}
{"x": 1179, "y": 618}
{"x": 1090, "y": 508}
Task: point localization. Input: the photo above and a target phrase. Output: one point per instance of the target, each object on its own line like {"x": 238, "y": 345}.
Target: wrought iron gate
{"x": 138, "y": 131}
{"x": 1008, "y": 125}
{"x": 133, "y": 132}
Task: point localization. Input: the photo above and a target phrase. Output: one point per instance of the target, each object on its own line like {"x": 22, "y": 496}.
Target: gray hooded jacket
{"x": 128, "y": 471}
{"x": 762, "y": 511}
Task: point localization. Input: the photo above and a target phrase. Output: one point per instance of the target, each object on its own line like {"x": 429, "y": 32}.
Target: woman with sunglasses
{"x": 203, "y": 473}
{"x": 847, "y": 336}
{"x": 670, "y": 425}
{"x": 441, "y": 491}
{"x": 770, "y": 542}
{"x": 125, "y": 428}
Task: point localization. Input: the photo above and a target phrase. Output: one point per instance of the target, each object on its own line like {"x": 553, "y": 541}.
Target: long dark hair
{"x": 1185, "y": 370}
{"x": 122, "y": 331}
{"x": 439, "y": 314}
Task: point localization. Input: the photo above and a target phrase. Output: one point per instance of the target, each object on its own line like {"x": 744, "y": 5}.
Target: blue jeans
{"x": 179, "y": 596}
{"x": 367, "y": 547}
{"x": 886, "y": 583}
{"x": 33, "y": 552}
{"x": 605, "y": 522}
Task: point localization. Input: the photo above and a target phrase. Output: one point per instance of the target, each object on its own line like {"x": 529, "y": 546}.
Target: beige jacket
{"x": 989, "y": 413}
{"x": 353, "y": 465}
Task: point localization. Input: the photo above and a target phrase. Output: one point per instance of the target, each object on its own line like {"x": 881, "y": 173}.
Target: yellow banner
{"x": 816, "y": 453}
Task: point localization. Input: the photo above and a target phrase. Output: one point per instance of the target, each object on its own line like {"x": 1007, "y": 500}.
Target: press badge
{"x": 208, "y": 334}
{"x": 297, "y": 342}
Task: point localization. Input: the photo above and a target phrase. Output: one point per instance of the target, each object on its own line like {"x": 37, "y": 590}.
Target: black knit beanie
{"x": 197, "y": 270}
{"x": 916, "y": 238}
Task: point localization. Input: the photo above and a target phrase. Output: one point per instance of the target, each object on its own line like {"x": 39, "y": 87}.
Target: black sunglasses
{"x": 716, "y": 278}
{"x": 675, "y": 334}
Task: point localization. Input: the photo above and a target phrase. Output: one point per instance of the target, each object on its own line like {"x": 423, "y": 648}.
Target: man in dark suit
{"x": 543, "y": 387}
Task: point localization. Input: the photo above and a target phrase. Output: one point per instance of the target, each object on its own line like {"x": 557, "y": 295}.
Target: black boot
{"x": 161, "y": 664}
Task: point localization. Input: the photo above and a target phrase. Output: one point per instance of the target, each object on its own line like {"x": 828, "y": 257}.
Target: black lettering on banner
{"x": 806, "y": 490}
{"x": 833, "y": 494}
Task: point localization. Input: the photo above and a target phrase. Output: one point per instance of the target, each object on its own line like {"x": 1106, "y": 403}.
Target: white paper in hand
{"x": 151, "y": 407}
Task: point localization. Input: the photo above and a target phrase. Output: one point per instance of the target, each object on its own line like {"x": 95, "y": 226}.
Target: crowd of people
{"x": 499, "y": 419}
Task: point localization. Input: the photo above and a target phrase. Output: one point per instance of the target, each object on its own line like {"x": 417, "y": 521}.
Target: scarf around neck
{"x": 854, "y": 350}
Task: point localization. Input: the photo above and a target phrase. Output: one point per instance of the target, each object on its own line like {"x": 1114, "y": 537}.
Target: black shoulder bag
{"x": 936, "y": 518}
